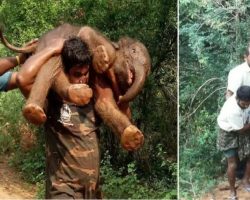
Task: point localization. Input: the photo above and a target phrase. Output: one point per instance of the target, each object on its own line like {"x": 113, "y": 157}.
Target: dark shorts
{"x": 72, "y": 166}
{"x": 231, "y": 153}
{"x": 227, "y": 140}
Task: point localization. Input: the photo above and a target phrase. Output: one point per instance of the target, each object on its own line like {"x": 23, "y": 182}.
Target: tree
{"x": 213, "y": 35}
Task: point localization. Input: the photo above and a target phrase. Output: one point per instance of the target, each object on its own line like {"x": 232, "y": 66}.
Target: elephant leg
{"x": 80, "y": 94}
{"x": 104, "y": 52}
{"x": 124, "y": 108}
{"x": 33, "y": 110}
{"x": 131, "y": 137}
{"x": 115, "y": 87}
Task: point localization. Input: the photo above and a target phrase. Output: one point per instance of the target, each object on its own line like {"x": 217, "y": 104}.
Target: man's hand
{"x": 100, "y": 59}
{"x": 24, "y": 56}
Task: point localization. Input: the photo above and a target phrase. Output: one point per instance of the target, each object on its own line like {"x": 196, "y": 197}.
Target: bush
{"x": 40, "y": 194}
{"x": 31, "y": 163}
{"x": 199, "y": 158}
{"x": 124, "y": 184}
{"x": 6, "y": 143}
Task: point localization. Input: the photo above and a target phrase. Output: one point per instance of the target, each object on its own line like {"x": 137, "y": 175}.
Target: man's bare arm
{"x": 31, "y": 67}
{"x": 7, "y": 64}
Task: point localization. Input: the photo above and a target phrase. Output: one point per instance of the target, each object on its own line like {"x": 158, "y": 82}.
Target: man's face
{"x": 243, "y": 104}
{"x": 79, "y": 74}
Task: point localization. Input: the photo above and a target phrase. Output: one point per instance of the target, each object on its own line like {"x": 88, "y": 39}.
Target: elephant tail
{"x": 27, "y": 49}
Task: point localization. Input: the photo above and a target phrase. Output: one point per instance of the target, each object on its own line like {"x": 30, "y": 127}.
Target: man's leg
{"x": 247, "y": 176}
{"x": 72, "y": 153}
{"x": 231, "y": 169}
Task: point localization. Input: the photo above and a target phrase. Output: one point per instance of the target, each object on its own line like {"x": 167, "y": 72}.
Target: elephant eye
{"x": 133, "y": 50}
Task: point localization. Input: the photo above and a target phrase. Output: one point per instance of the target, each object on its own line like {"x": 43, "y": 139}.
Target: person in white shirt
{"x": 233, "y": 122}
{"x": 240, "y": 75}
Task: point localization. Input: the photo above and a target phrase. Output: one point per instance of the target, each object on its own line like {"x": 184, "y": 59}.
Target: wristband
{"x": 18, "y": 60}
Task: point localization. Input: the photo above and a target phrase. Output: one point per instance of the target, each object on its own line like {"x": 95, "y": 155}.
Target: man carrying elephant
{"x": 126, "y": 56}
{"x": 106, "y": 105}
{"x": 72, "y": 152}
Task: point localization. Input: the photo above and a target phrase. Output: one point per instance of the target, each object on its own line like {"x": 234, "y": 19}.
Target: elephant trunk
{"x": 28, "y": 49}
{"x": 140, "y": 74}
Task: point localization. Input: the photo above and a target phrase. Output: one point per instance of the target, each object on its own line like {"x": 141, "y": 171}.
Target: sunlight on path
{"x": 11, "y": 185}
{"x": 222, "y": 192}
{"x": 6, "y": 193}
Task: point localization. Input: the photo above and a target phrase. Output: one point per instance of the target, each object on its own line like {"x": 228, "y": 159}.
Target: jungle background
{"x": 150, "y": 172}
{"x": 213, "y": 37}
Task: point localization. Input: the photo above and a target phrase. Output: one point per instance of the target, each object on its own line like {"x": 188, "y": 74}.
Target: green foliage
{"x": 32, "y": 163}
{"x": 6, "y": 143}
{"x": 199, "y": 159}
{"x": 213, "y": 35}
{"x": 124, "y": 184}
{"x": 9, "y": 121}
{"x": 40, "y": 190}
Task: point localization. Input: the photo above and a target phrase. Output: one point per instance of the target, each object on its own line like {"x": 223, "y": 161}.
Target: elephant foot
{"x": 79, "y": 94}
{"x": 34, "y": 114}
{"x": 132, "y": 138}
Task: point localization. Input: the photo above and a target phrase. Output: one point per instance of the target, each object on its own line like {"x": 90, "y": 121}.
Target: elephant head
{"x": 131, "y": 67}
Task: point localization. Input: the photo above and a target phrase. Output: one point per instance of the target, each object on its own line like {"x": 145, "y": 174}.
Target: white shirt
{"x": 238, "y": 76}
{"x": 232, "y": 117}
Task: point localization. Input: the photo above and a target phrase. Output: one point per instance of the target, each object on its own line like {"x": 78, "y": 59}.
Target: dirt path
{"x": 11, "y": 184}
{"x": 222, "y": 192}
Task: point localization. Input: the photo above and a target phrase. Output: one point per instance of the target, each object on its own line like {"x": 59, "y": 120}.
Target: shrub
{"x": 124, "y": 184}
{"x": 199, "y": 159}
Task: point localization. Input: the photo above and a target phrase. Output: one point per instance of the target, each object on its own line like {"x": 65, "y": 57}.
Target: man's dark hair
{"x": 243, "y": 93}
{"x": 75, "y": 52}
